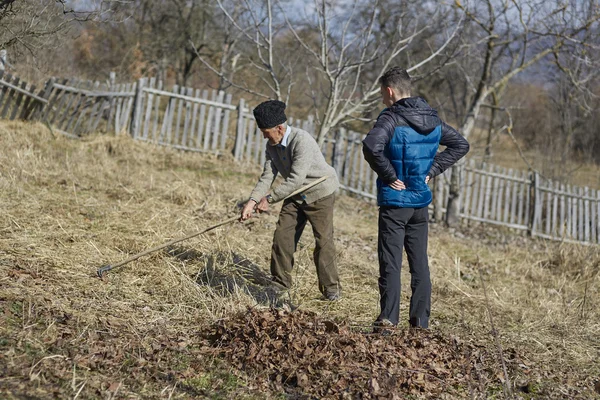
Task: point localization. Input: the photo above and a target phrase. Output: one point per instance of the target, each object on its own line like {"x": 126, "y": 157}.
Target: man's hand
{"x": 397, "y": 185}
{"x": 427, "y": 179}
{"x": 263, "y": 205}
{"x": 248, "y": 210}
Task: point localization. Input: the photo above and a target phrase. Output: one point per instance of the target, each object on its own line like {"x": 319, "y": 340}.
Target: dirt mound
{"x": 311, "y": 358}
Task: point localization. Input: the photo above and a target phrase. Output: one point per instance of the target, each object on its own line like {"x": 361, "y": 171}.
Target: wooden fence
{"x": 190, "y": 119}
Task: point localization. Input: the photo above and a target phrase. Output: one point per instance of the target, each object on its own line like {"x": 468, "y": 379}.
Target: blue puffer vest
{"x": 411, "y": 149}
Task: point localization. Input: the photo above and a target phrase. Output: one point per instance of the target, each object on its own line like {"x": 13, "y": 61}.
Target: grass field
{"x": 69, "y": 207}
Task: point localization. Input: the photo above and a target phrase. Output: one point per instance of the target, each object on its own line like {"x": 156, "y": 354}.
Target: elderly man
{"x": 402, "y": 149}
{"x": 295, "y": 155}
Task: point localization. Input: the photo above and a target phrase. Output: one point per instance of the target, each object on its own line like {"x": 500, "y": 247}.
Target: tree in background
{"x": 511, "y": 37}
{"x": 342, "y": 49}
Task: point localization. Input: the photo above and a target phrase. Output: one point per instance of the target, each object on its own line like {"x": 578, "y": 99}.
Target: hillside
{"x": 192, "y": 322}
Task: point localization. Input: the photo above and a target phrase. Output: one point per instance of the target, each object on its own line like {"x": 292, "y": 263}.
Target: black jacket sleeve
{"x": 456, "y": 148}
{"x": 374, "y": 148}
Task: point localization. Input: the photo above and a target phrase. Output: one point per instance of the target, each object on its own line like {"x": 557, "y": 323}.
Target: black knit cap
{"x": 269, "y": 114}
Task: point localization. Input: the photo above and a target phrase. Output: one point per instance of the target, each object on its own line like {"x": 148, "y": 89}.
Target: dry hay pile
{"x": 308, "y": 357}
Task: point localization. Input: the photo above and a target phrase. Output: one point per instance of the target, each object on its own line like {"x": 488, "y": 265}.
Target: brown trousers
{"x": 291, "y": 223}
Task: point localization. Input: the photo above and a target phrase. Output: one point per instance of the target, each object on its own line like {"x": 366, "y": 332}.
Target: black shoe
{"x": 384, "y": 327}
{"x": 335, "y": 296}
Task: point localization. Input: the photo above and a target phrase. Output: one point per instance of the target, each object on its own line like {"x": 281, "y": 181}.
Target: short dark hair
{"x": 397, "y": 78}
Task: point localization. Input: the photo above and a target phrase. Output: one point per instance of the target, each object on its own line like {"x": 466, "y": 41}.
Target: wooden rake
{"x": 104, "y": 269}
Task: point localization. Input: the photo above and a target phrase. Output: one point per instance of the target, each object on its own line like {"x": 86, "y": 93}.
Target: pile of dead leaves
{"x": 307, "y": 357}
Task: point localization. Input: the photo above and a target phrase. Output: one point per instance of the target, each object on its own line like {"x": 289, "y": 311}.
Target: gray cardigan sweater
{"x": 300, "y": 163}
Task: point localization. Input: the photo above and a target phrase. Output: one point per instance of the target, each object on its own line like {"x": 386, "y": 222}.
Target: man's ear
{"x": 390, "y": 91}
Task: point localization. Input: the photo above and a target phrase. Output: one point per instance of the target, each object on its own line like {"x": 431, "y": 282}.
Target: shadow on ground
{"x": 228, "y": 272}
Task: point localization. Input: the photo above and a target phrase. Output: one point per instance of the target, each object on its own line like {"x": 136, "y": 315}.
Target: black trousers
{"x": 404, "y": 228}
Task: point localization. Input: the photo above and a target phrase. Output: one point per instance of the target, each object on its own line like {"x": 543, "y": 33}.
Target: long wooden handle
{"x": 104, "y": 269}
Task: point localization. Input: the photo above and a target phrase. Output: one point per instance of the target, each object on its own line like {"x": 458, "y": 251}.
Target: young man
{"x": 295, "y": 155}
{"x": 402, "y": 149}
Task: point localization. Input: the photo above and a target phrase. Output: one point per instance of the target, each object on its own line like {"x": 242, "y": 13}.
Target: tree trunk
{"x": 456, "y": 182}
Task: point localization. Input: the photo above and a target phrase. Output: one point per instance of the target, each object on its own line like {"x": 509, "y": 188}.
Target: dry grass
{"x": 69, "y": 207}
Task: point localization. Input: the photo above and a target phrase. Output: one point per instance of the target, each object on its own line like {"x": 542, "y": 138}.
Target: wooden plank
{"x": 180, "y": 106}
{"x": 563, "y": 212}
{"x": 202, "y": 100}
{"x": 57, "y": 98}
{"x": 209, "y": 122}
{"x": 75, "y": 101}
{"x": 354, "y": 173}
{"x": 81, "y": 108}
{"x": 3, "y": 87}
{"x": 580, "y": 216}
{"x": 348, "y": 159}
{"x": 9, "y": 96}
{"x": 475, "y": 193}
{"x": 257, "y": 144}
{"x": 538, "y": 202}
{"x": 507, "y": 198}
{"x": 216, "y": 132}
{"x": 18, "y": 101}
{"x": 173, "y": 102}
{"x": 201, "y": 121}
{"x": 521, "y": 207}
{"x": 187, "y": 120}
{"x": 528, "y": 215}
{"x": 468, "y": 191}
{"x": 225, "y": 128}
{"x": 118, "y": 101}
{"x": 104, "y": 105}
{"x": 32, "y": 105}
{"x": 494, "y": 196}
{"x": 136, "y": 118}
{"x": 112, "y": 100}
{"x": 157, "y": 111}
{"x": 597, "y": 222}
{"x": 593, "y": 220}
{"x": 240, "y": 131}
{"x": 21, "y": 90}
{"x": 360, "y": 185}
{"x": 84, "y": 104}
{"x": 74, "y": 89}
{"x": 262, "y": 148}
{"x": 373, "y": 190}
{"x": 555, "y": 197}
{"x": 122, "y": 110}
{"x": 569, "y": 214}
{"x": 127, "y": 112}
{"x": 482, "y": 190}
{"x": 548, "y": 213}
{"x": 586, "y": 215}
{"x": 438, "y": 198}
{"x": 96, "y": 108}
{"x": 194, "y": 119}
{"x": 148, "y": 111}
{"x": 249, "y": 138}
{"x": 501, "y": 187}
{"x": 517, "y": 177}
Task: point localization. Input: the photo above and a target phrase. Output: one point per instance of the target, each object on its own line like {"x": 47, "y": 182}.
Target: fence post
{"x": 338, "y": 152}
{"x": 136, "y": 114}
{"x": 535, "y": 208}
{"x": 112, "y": 80}
{"x": 239, "y": 132}
{"x": 438, "y": 197}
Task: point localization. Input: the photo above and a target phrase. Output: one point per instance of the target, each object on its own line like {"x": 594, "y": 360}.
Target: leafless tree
{"x": 334, "y": 53}
{"x": 28, "y": 25}
{"x": 513, "y": 36}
